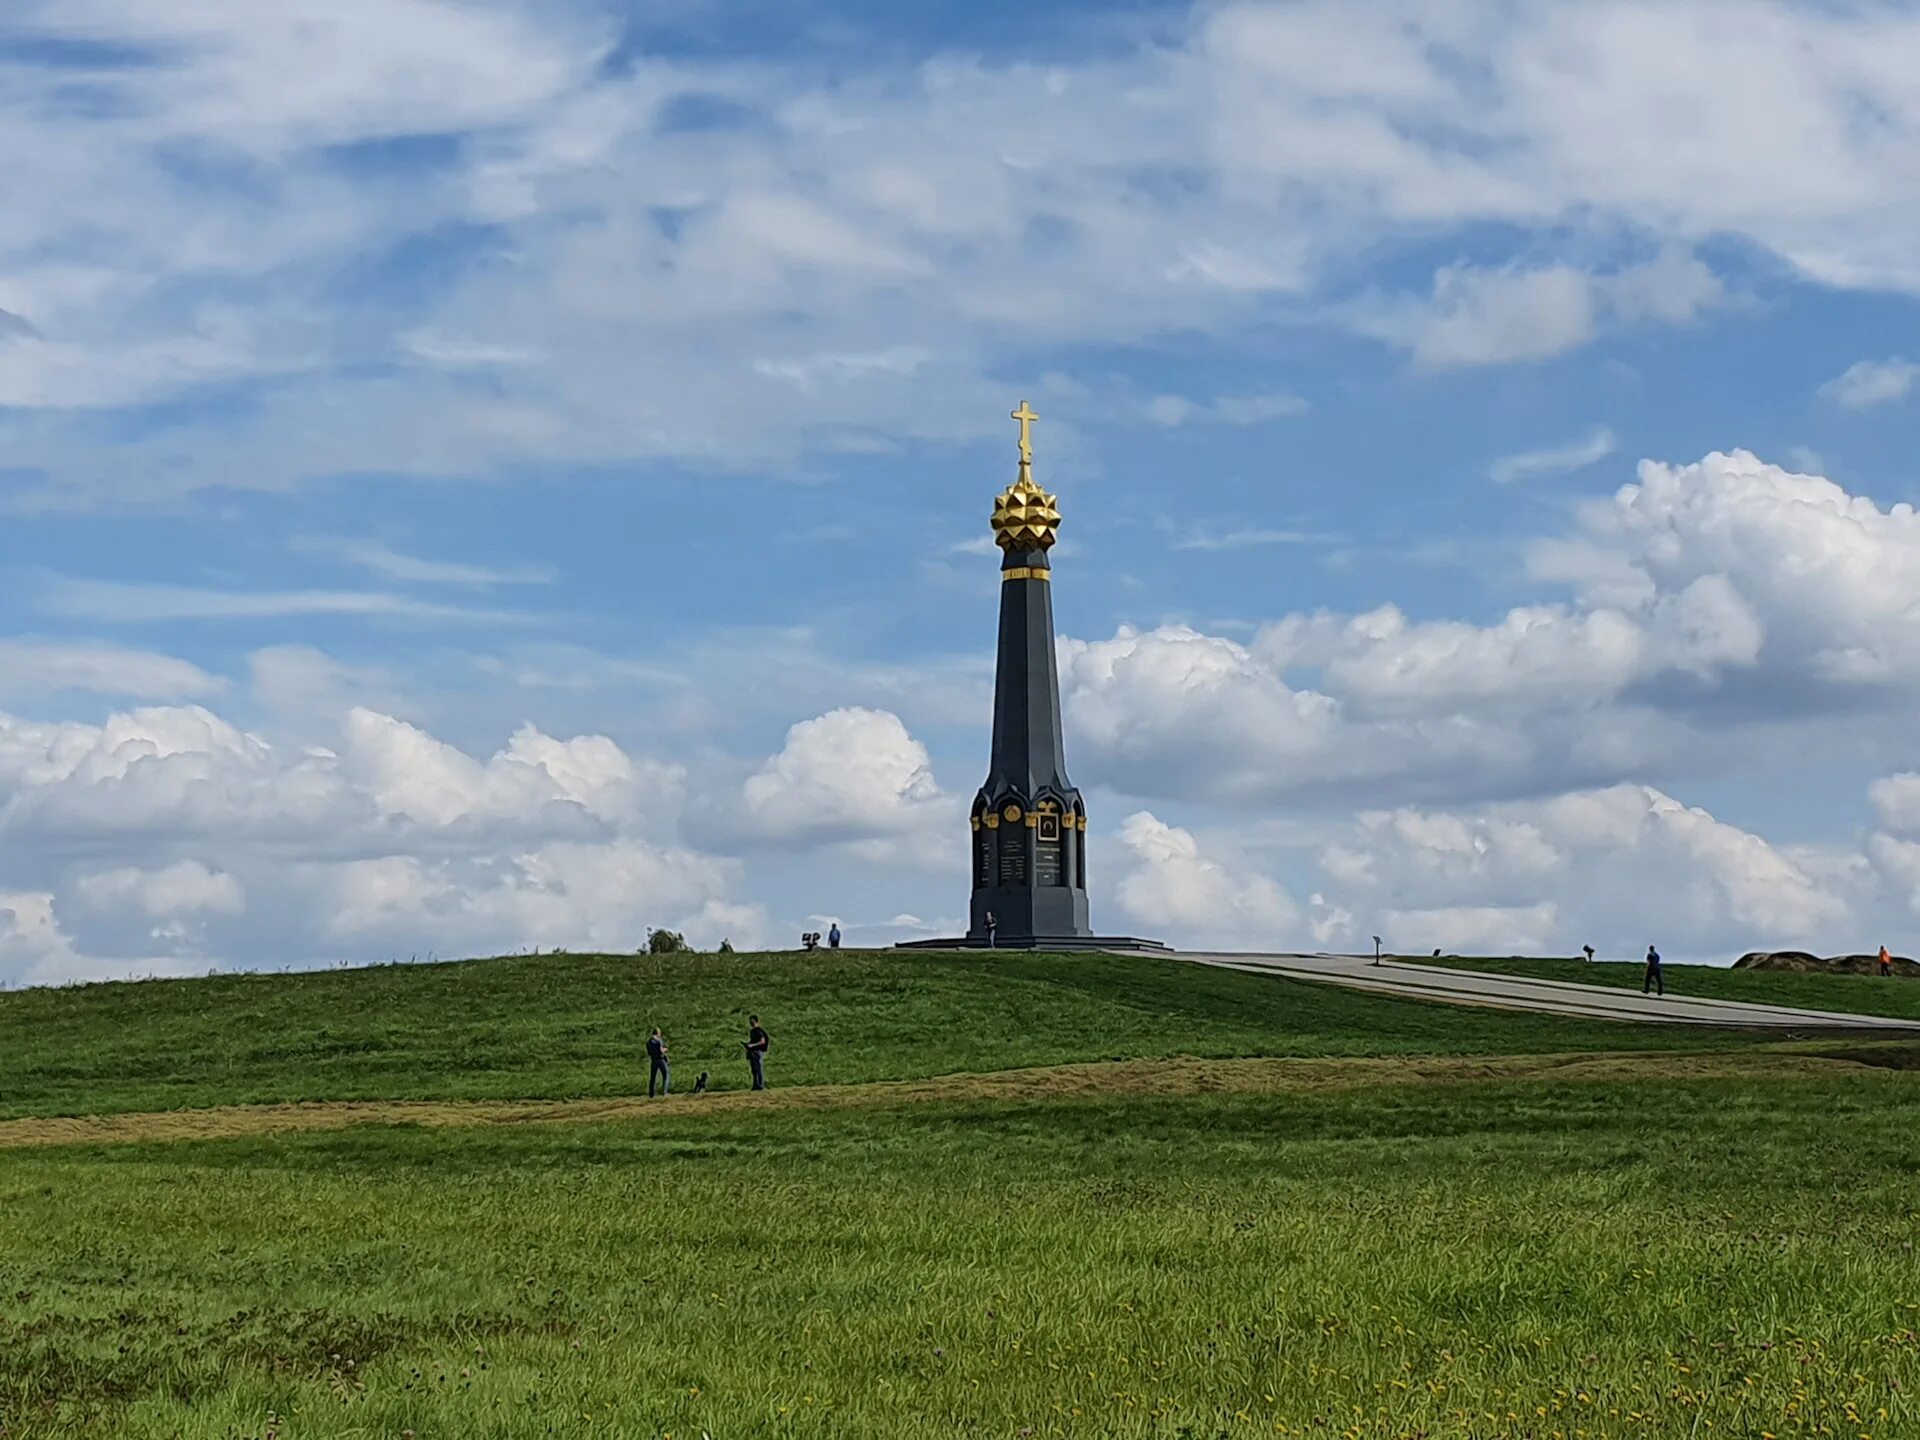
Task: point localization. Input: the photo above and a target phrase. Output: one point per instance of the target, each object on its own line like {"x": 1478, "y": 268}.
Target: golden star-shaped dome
{"x": 1025, "y": 517}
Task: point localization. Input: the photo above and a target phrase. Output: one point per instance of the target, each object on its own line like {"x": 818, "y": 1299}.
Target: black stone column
{"x": 1028, "y": 825}
{"x": 1028, "y": 817}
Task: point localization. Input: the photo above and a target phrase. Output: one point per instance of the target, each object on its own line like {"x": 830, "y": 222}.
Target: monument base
{"x": 1043, "y": 942}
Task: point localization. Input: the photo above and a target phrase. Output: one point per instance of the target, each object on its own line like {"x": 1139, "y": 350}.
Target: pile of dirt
{"x": 1799, "y": 962}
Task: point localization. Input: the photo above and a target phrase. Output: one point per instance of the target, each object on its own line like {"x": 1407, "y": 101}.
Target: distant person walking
{"x": 991, "y": 927}
{"x": 1886, "y": 961}
{"x": 756, "y": 1043}
{"x": 657, "y": 1069}
{"x": 1653, "y": 980}
{"x": 833, "y": 936}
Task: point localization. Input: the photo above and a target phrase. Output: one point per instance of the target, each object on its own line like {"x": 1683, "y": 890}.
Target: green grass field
{"x": 560, "y": 1025}
{"x": 1643, "y": 1243}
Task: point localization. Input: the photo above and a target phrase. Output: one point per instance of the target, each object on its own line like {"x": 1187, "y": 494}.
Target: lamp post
{"x": 1376, "y": 949}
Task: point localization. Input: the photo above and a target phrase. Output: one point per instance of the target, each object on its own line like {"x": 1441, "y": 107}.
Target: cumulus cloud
{"x": 185, "y": 887}
{"x": 229, "y": 846}
{"x": 1710, "y": 608}
{"x": 850, "y": 775}
{"x": 408, "y": 774}
{"x": 1474, "y": 929}
{"x": 1617, "y": 868}
{"x": 1868, "y": 383}
{"x": 1178, "y": 713}
{"x": 1830, "y": 577}
{"x": 600, "y": 896}
{"x": 1896, "y": 800}
{"x": 1169, "y": 884}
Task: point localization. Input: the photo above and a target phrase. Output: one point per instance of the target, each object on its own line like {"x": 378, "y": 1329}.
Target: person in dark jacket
{"x": 1652, "y": 979}
{"x": 757, "y": 1042}
{"x": 657, "y": 1064}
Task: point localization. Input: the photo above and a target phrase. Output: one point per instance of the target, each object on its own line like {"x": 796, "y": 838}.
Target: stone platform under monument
{"x": 1028, "y": 824}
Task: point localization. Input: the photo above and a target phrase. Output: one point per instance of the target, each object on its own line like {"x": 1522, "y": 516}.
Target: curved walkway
{"x": 1552, "y": 997}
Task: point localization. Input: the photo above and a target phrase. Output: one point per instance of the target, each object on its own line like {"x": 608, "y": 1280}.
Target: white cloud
{"x": 1481, "y": 316}
{"x": 1896, "y": 800}
{"x": 1714, "y": 610}
{"x": 648, "y": 267}
{"x": 33, "y": 667}
{"x": 808, "y": 373}
{"x": 389, "y": 564}
{"x": 1833, "y": 580}
{"x": 1541, "y": 656}
{"x": 118, "y": 602}
{"x": 1471, "y": 929}
{"x": 225, "y": 847}
{"x": 1250, "y": 537}
{"x": 185, "y": 887}
{"x": 1618, "y": 868}
{"x": 1169, "y": 884}
{"x": 1867, "y": 383}
{"x": 579, "y": 896}
{"x": 1491, "y": 317}
{"x": 409, "y": 775}
{"x": 1555, "y": 459}
{"x": 1173, "y": 411}
{"x": 851, "y": 774}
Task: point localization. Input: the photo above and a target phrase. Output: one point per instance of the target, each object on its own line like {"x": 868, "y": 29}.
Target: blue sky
{"x": 478, "y": 475}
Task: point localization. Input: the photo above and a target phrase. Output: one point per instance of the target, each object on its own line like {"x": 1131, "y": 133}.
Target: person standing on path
{"x": 1653, "y": 981}
{"x": 991, "y": 927}
{"x": 1886, "y": 961}
{"x": 657, "y": 1064}
{"x": 833, "y": 936}
{"x": 757, "y": 1052}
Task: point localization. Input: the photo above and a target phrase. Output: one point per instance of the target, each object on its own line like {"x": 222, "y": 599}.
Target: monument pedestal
{"x": 1127, "y": 943}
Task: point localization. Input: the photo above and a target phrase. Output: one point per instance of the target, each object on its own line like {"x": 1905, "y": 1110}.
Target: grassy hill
{"x": 1433, "y": 1221}
{"x": 571, "y": 1025}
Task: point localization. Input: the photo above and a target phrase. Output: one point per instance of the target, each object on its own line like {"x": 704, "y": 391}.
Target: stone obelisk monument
{"x": 1028, "y": 822}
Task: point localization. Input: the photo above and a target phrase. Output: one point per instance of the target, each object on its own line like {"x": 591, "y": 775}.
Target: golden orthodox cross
{"x": 1026, "y": 417}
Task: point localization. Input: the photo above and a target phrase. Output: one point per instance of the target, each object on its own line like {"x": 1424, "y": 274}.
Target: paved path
{"x": 1552, "y": 997}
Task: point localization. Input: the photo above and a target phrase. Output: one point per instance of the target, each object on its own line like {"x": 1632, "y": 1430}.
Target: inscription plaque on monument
{"x": 1013, "y": 863}
{"x": 1046, "y": 862}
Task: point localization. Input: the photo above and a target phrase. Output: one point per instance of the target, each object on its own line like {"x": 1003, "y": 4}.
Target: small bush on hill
{"x": 666, "y": 942}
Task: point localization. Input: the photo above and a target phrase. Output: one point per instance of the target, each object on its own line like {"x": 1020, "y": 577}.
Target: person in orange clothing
{"x": 1886, "y": 961}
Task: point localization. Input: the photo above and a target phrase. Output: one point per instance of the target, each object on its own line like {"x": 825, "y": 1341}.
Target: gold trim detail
{"x": 1011, "y": 814}
{"x": 1025, "y": 517}
{"x": 1027, "y": 572}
